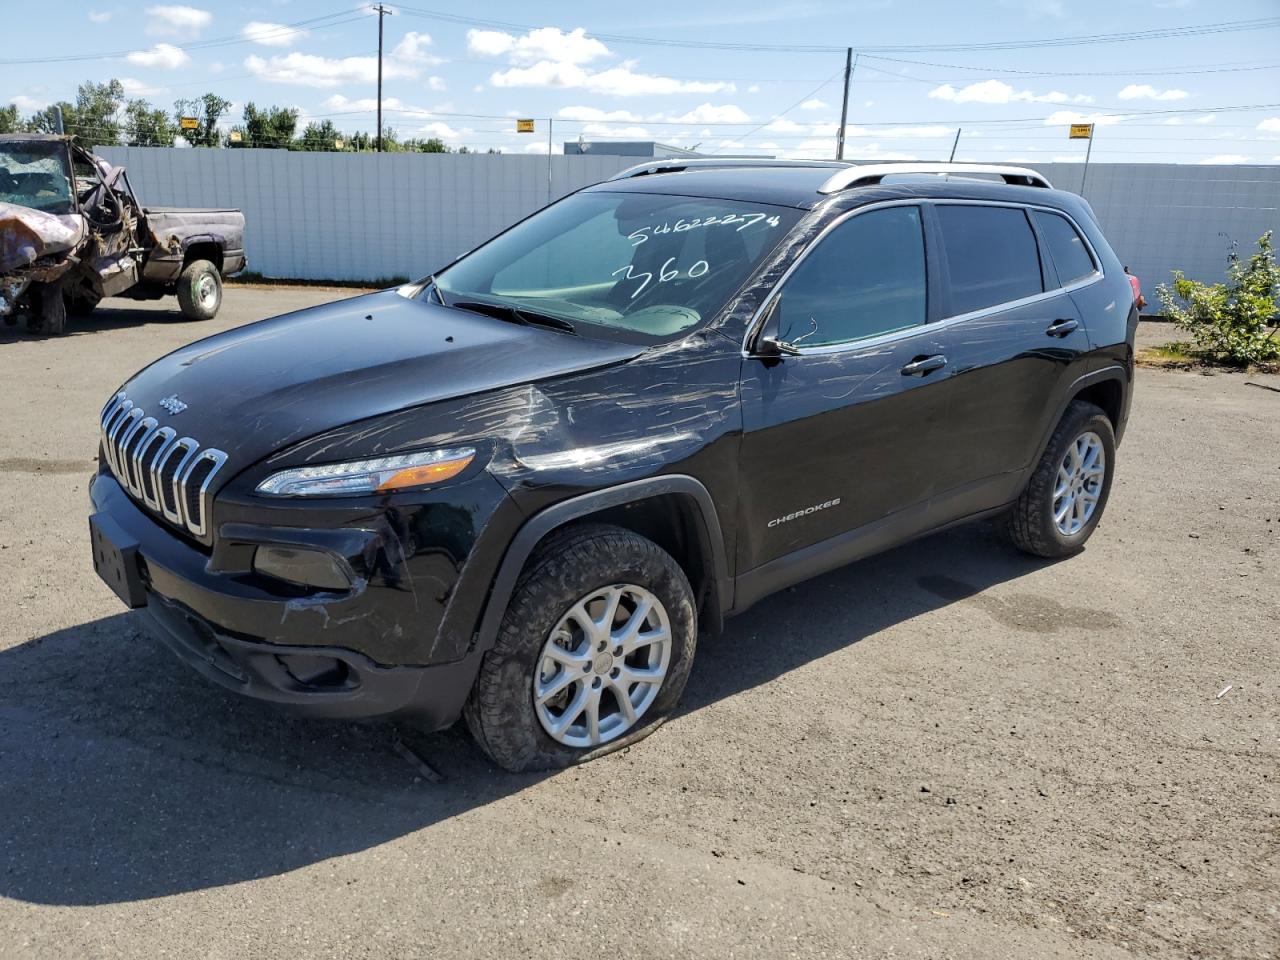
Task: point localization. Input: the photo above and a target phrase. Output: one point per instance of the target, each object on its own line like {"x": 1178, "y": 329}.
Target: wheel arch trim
{"x": 1115, "y": 373}
{"x": 552, "y": 518}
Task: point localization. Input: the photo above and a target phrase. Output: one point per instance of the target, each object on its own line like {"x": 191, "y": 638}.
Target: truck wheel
{"x": 52, "y": 319}
{"x": 593, "y": 653}
{"x": 200, "y": 290}
{"x": 1064, "y": 500}
{"x": 81, "y": 306}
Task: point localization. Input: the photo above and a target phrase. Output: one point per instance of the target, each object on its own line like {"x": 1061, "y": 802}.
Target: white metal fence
{"x": 335, "y": 216}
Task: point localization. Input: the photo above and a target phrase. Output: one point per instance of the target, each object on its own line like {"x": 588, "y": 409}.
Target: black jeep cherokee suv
{"x": 515, "y": 491}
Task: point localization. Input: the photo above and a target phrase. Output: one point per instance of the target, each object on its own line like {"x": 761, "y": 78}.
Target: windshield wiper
{"x": 514, "y": 314}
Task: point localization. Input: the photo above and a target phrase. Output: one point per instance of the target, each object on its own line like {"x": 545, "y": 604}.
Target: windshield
{"x": 632, "y": 266}
{"x": 35, "y": 175}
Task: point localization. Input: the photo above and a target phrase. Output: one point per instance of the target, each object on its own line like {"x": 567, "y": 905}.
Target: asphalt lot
{"x": 951, "y": 750}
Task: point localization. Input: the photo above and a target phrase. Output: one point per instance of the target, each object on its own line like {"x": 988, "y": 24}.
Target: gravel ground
{"x": 949, "y": 751}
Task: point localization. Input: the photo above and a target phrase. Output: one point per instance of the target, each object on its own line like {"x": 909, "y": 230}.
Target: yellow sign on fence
{"x": 236, "y": 136}
{"x": 1081, "y": 131}
{"x": 524, "y": 126}
{"x": 189, "y": 123}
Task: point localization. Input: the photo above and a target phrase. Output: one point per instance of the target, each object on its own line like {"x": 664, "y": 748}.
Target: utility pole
{"x": 382, "y": 12}
{"x": 550, "y": 125}
{"x": 955, "y": 143}
{"x": 1088, "y": 152}
{"x": 844, "y": 108}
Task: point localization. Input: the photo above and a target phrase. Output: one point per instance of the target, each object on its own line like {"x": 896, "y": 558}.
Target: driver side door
{"x": 843, "y": 435}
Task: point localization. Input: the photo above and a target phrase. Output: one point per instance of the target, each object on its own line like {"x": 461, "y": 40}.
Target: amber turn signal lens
{"x": 427, "y": 473}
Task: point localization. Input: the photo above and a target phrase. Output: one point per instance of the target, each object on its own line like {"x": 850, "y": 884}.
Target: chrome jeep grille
{"x": 170, "y": 474}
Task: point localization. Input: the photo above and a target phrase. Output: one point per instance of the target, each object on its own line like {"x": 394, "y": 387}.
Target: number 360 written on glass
{"x": 665, "y": 272}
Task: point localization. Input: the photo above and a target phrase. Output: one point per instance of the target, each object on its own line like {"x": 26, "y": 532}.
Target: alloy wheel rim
{"x": 206, "y": 291}
{"x": 602, "y": 665}
{"x": 1078, "y": 485}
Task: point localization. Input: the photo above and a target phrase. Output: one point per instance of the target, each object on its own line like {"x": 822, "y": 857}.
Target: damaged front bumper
{"x": 214, "y": 621}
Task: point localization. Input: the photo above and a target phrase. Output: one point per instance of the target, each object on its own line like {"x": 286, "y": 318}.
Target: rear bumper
{"x": 312, "y": 681}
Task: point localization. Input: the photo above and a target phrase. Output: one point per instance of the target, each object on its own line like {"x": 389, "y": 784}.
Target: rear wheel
{"x": 593, "y": 653}
{"x": 81, "y": 305}
{"x": 200, "y": 290}
{"x": 1064, "y": 500}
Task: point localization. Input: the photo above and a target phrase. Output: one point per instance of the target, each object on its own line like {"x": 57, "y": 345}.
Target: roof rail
{"x": 874, "y": 173}
{"x": 676, "y": 164}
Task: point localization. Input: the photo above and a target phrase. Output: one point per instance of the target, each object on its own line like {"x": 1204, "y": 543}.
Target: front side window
{"x": 991, "y": 256}
{"x": 864, "y": 279}
{"x": 1067, "y": 249}
{"x": 639, "y": 267}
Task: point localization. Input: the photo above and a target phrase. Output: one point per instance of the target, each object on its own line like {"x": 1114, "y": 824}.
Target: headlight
{"x": 380, "y": 475}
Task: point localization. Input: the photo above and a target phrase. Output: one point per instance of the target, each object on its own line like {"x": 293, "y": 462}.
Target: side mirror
{"x": 771, "y": 346}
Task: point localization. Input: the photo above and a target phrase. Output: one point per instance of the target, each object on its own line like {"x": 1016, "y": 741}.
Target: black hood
{"x": 261, "y": 387}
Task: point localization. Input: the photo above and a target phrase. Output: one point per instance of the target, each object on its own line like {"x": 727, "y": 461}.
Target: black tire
{"x": 569, "y": 567}
{"x": 1031, "y": 521}
{"x": 193, "y": 300}
{"x": 81, "y": 306}
{"x": 51, "y": 320}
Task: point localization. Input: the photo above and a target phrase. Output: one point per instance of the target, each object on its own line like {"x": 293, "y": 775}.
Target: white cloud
{"x": 997, "y": 91}
{"x": 1270, "y": 125}
{"x": 99, "y": 16}
{"x": 783, "y": 125}
{"x": 595, "y": 113}
{"x": 820, "y": 148}
{"x": 435, "y": 83}
{"x": 271, "y": 34}
{"x": 412, "y": 48}
{"x": 869, "y": 103}
{"x": 616, "y": 81}
{"x": 754, "y": 88}
{"x": 814, "y": 104}
{"x": 1144, "y": 91}
{"x": 136, "y": 88}
{"x": 898, "y": 133}
{"x": 706, "y": 113}
{"x": 608, "y": 130}
{"x": 1062, "y": 118}
{"x": 1226, "y": 158}
{"x": 177, "y": 21}
{"x": 478, "y": 88}
{"x": 309, "y": 70}
{"x": 442, "y": 130}
{"x": 163, "y": 56}
{"x": 26, "y": 103}
{"x": 544, "y": 43}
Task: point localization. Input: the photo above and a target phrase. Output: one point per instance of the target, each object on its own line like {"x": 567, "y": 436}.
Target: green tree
{"x": 433, "y": 145}
{"x": 207, "y": 110}
{"x": 93, "y": 118}
{"x": 319, "y": 136}
{"x": 1234, "y": 322}
{"x": 270, "y": 127}
{"x": 147, "y": 126}
{"x": 9, "y": 120}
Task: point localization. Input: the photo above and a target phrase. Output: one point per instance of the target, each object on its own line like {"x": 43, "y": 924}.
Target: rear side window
{"x": 1067, "y": 248}
{"x": 865, "y": 278}
{"x": 991, "y": 255}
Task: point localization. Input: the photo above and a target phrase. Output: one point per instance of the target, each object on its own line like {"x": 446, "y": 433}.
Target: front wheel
{"x": 593, "y": 653}
{"x": 1064, "y": 500}
{"x": 200, "y": 290}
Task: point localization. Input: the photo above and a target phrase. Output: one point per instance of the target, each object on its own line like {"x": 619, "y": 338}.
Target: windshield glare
{"x": 35, "y": 175}
{"x": 634, "y": 266}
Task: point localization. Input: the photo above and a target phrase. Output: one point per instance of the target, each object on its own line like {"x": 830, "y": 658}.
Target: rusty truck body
{"x": 72, "y": 231}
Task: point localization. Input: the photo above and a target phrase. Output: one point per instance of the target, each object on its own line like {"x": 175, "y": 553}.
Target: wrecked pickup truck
{"x": 72, "y": 232}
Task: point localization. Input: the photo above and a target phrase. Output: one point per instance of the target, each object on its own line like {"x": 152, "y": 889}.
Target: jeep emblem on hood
{"x": 173, "y": 404}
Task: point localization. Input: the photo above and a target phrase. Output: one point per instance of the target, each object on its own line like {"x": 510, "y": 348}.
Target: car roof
{"x": 799, "y": 186}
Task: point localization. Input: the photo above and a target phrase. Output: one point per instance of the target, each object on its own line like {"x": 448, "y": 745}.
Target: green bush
{"x": 1234, "y": 322}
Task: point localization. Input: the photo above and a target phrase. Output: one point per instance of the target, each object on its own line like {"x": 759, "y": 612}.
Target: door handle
{"x": 923, "y": 365}
{"x": 1060, "y": 328}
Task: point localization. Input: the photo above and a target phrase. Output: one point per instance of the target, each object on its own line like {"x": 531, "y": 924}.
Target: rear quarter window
{"x": 1067, "y": 249}
{"x": 991, "y": 254}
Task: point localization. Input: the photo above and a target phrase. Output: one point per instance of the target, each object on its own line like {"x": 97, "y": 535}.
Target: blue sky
{"x": 1154, "y": 100}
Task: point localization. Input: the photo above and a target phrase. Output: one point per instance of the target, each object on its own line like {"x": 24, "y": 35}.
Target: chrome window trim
{"x": 753, "y": 327}
{"x": 202, "y": 495}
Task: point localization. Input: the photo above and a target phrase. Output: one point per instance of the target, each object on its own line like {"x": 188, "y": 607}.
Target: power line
{"x": 313, "y": 23}
{"x": 1160, "y": 33}
{"x": 1131, "y": 72}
